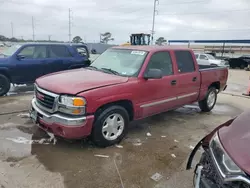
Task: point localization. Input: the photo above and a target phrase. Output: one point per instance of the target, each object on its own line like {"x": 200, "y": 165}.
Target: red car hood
{"x": 236, "y": 140}
{"x": 77, "y": 80}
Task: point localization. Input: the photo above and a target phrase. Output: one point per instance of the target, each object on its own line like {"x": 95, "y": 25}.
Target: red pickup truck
{"x": 123, "y": 84}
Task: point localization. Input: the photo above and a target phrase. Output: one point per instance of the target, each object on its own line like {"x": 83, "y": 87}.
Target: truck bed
{"x": 201, "y": 67}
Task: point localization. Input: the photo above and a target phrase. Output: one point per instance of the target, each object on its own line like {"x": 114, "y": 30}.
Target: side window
{"x": 203, "y": 57}
{"x": 196, "y": 56}
{"x": 162, "y": 61}
{"x": 184, "y": 61}
{"x": 34, "y": 52}
{"x": 82, "y": 51}
{"x": 27, "y": 52}
{"x": 56, "y": 51}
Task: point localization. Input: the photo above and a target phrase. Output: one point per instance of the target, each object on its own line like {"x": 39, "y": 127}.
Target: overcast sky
{"x": 179, "y": 19}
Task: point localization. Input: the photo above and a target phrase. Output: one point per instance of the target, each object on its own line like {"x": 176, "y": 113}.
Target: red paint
{"x": 235, "y": 140}
{"x": 68, "y": 132}
{"x": 100, "y": 88}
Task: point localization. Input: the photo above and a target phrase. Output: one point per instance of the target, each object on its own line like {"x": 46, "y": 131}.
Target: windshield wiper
{"x": 111, "y": 71}
{"x": 91, "y": 67}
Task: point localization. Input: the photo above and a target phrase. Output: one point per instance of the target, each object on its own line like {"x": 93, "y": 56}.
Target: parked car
{"x": 225, "y": 160}
{"x": 207, "y": 59}
{"x": 241, "y": 62}
{"x": 23, "y": 64}
{"x": 123, "y": 84}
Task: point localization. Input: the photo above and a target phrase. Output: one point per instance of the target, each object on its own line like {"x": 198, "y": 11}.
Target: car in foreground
{"x": 23, "y": 64}
{"x": 123, "y": 84}
{"x": 208, "y": 59}
{"x": 225, "y": 159}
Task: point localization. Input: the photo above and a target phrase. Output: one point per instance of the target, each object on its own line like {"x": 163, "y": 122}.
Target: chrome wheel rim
{"x": 113, "y": 126}
{"x": 211, "y": 99}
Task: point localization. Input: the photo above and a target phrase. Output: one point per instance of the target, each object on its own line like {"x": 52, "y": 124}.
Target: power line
{"x": 212, "y": 12}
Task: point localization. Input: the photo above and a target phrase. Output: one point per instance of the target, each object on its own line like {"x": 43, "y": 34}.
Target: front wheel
{"x": 4, "y": 85}
{"x": 207, "y": 104}
{"x": 110, "y": 126}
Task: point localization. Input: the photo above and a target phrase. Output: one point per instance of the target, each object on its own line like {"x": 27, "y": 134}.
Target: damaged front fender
{"x": 204, "y": 142}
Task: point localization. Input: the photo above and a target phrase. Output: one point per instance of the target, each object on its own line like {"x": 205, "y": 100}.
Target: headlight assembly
{"x": 226, "y": 165}
{"x": 72, "y": 105}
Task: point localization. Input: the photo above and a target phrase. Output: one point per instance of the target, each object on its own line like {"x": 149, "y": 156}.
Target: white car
{"x": 207, "y": 59}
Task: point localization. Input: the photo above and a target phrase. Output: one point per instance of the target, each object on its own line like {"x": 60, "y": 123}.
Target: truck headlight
{"x": 72, "y": 105}
{"x": 225, "y": 164}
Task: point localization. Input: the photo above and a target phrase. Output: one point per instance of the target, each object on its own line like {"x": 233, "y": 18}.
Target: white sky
{"x": 179, "y": 19}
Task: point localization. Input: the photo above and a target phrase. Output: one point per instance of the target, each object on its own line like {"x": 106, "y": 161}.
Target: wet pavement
{"x": 159, "y": 144}
{"x": 29, "y": 159}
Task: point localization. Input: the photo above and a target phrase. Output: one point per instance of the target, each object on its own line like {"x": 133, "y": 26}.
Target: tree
{"x": 77, "y": 39}
{"x": 160, "y": 41}
{"x": 106, "y": 37}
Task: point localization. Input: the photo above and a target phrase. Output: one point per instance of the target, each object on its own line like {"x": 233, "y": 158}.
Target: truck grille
{"x": 210, "y": 173}
{"x": 44, "y": 99}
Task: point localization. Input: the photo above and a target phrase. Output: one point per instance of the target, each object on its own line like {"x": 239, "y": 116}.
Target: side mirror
{"x": 19, "y": 57}
{"x": 153, "y": 74}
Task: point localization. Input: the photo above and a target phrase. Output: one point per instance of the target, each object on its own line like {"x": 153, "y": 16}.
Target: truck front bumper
{"x": 68, "y": 127}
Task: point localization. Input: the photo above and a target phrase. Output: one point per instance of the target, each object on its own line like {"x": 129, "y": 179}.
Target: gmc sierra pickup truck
{"x": 123, "y": 84}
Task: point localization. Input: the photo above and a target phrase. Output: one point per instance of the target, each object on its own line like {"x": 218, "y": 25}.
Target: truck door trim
{"x": 168, "y": 100}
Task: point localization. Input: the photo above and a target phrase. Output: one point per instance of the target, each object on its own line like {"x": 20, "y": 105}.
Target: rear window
{"x": 56, "y": 51}
{"x": 184, "y": 61}
{"x": 82, "y": 51}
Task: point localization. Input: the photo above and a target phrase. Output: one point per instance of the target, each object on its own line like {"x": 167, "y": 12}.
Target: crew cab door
{"x": 158, "y": 95}
{"x": 59, "y": 57}
{"x": 188, "y": 77}
{"x": 29, "y": 64}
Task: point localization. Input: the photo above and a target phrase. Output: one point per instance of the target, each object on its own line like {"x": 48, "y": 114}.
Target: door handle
{"x": 194, "y": 79}
{"x": 173, "y": 82}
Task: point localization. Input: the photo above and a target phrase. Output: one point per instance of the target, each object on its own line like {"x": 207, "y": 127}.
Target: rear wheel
{"x": 207, "y": 104}
{"x": 242, "y": 66}
{"x": 110, "y": 126}
{"x": 4, "y": 85}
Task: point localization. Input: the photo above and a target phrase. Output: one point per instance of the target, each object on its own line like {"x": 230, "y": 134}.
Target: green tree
{"x": 160, "y": 41}
{"x": 106, "y": 37}
{"x": 77, "y": 39}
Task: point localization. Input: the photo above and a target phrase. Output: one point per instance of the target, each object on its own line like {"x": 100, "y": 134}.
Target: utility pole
{"x": 153, "y": 24}
{"x": 12, "y": 30}
{"x": 33, "y": 29}
{"x": 69, "y": 25}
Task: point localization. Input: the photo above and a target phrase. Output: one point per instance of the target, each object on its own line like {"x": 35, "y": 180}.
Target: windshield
{"x": 123, "y": 61}
{"x": 210, "y": 56}
{"x": 11, "y": 50}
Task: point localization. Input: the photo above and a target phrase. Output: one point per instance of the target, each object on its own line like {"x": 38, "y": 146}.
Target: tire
{"x": 4, "y": 85}
{"x": 207, "y": 104}
{"x": 242, "y": 66}
{"x": 99, "y": 136}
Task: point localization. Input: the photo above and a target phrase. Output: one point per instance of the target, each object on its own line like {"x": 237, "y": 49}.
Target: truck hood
{"x": 236, "y": 139}
{"x": 77, "y": 80}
